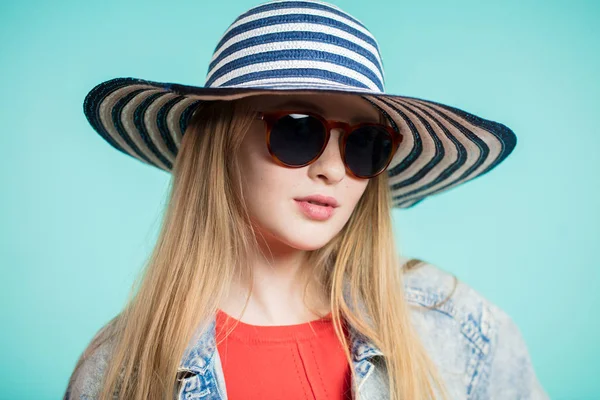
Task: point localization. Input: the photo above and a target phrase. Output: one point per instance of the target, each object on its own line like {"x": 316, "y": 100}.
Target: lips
{"x": 315, "y": 211}
{"x": 320, "y": 200}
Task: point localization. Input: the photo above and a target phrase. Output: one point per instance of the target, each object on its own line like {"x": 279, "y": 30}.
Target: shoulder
{"x": 429, "y": 287}
{"x": 477, "y": 345}
{"x": 85, "y": 381}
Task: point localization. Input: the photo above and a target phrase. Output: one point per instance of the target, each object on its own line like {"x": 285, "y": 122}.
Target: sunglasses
{"x": 296, "y": 139}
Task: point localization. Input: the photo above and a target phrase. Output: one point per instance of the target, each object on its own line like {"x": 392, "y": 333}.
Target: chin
{"x": 307, "y": 241}
{"x": 310, "y": 246}
{"x": 299, "y": 235}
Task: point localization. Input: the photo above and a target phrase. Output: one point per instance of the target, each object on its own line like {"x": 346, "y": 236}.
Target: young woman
{"x": 275, "y": 274}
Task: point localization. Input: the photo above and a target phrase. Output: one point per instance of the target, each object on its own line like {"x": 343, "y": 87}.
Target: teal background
{"x": 78, "y": 218}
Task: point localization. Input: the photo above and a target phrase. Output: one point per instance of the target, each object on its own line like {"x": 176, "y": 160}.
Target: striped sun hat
{"x": 299, "y": 47}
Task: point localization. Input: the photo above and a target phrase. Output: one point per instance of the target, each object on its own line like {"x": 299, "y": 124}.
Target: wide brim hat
{"x": 299, "y": 47}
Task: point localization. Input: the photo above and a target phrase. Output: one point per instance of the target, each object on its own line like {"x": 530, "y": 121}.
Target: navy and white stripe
{"x": 284, "y": 40}
{"x": 296, "y": 46}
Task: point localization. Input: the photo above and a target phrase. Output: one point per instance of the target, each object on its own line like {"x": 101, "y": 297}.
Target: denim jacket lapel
{"x": 201, "y": 374}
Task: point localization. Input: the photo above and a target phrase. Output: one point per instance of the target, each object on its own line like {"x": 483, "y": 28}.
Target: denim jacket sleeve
{"x": 477, "y": 346}
{"x": 86, "y": 379}
{"x": 509, "y": 373}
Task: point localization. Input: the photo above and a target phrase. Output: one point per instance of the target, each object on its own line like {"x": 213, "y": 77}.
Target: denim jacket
{"x": 477, "y": 348}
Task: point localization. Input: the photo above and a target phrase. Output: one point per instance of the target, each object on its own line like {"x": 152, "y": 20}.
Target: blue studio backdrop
{"x": 78, "y": 218}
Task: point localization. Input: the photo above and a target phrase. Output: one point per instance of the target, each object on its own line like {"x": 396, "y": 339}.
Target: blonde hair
{"x": 203, "y": 241}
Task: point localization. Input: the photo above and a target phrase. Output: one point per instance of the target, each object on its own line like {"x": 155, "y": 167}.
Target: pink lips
{"x": 319, "y": 198}
{"x": 315, "y": 211}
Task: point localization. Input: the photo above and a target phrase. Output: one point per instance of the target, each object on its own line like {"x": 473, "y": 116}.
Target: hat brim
{"x": 442, "y": 146}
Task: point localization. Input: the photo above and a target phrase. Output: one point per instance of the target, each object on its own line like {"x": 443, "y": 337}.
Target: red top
{"x": 292, "y": 362}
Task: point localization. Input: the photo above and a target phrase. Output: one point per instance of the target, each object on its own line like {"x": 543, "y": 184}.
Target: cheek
{"x": 356, "y": 188}
{"x": 265, "y": 183}
{"x": 271, "y": 192}
{"x": 352, "y": 192}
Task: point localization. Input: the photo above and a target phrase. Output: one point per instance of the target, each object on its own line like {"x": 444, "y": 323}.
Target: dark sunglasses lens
{"x": 297, "y": 138}
{"x": 367, "y": 150}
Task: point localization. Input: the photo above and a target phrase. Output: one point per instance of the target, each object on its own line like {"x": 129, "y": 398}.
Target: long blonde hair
{"x": 203, "y": 241}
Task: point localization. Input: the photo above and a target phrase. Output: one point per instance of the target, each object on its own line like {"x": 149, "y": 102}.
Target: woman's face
{"x": 271, "y": 190}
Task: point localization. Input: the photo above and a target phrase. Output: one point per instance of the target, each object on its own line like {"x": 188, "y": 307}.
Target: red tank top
{"x": 292, "y": 362}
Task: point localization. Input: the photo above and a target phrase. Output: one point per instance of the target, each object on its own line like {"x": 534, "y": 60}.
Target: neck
{"x": 277, "y": 291}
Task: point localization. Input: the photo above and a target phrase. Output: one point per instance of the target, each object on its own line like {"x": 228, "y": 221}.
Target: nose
{"x": 329, "y": 165}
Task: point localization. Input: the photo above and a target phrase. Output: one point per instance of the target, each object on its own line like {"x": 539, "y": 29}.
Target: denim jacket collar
{"x": 199, "y": 354}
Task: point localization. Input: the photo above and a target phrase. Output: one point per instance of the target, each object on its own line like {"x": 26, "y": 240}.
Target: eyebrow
{"x": 300, "y": 105}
